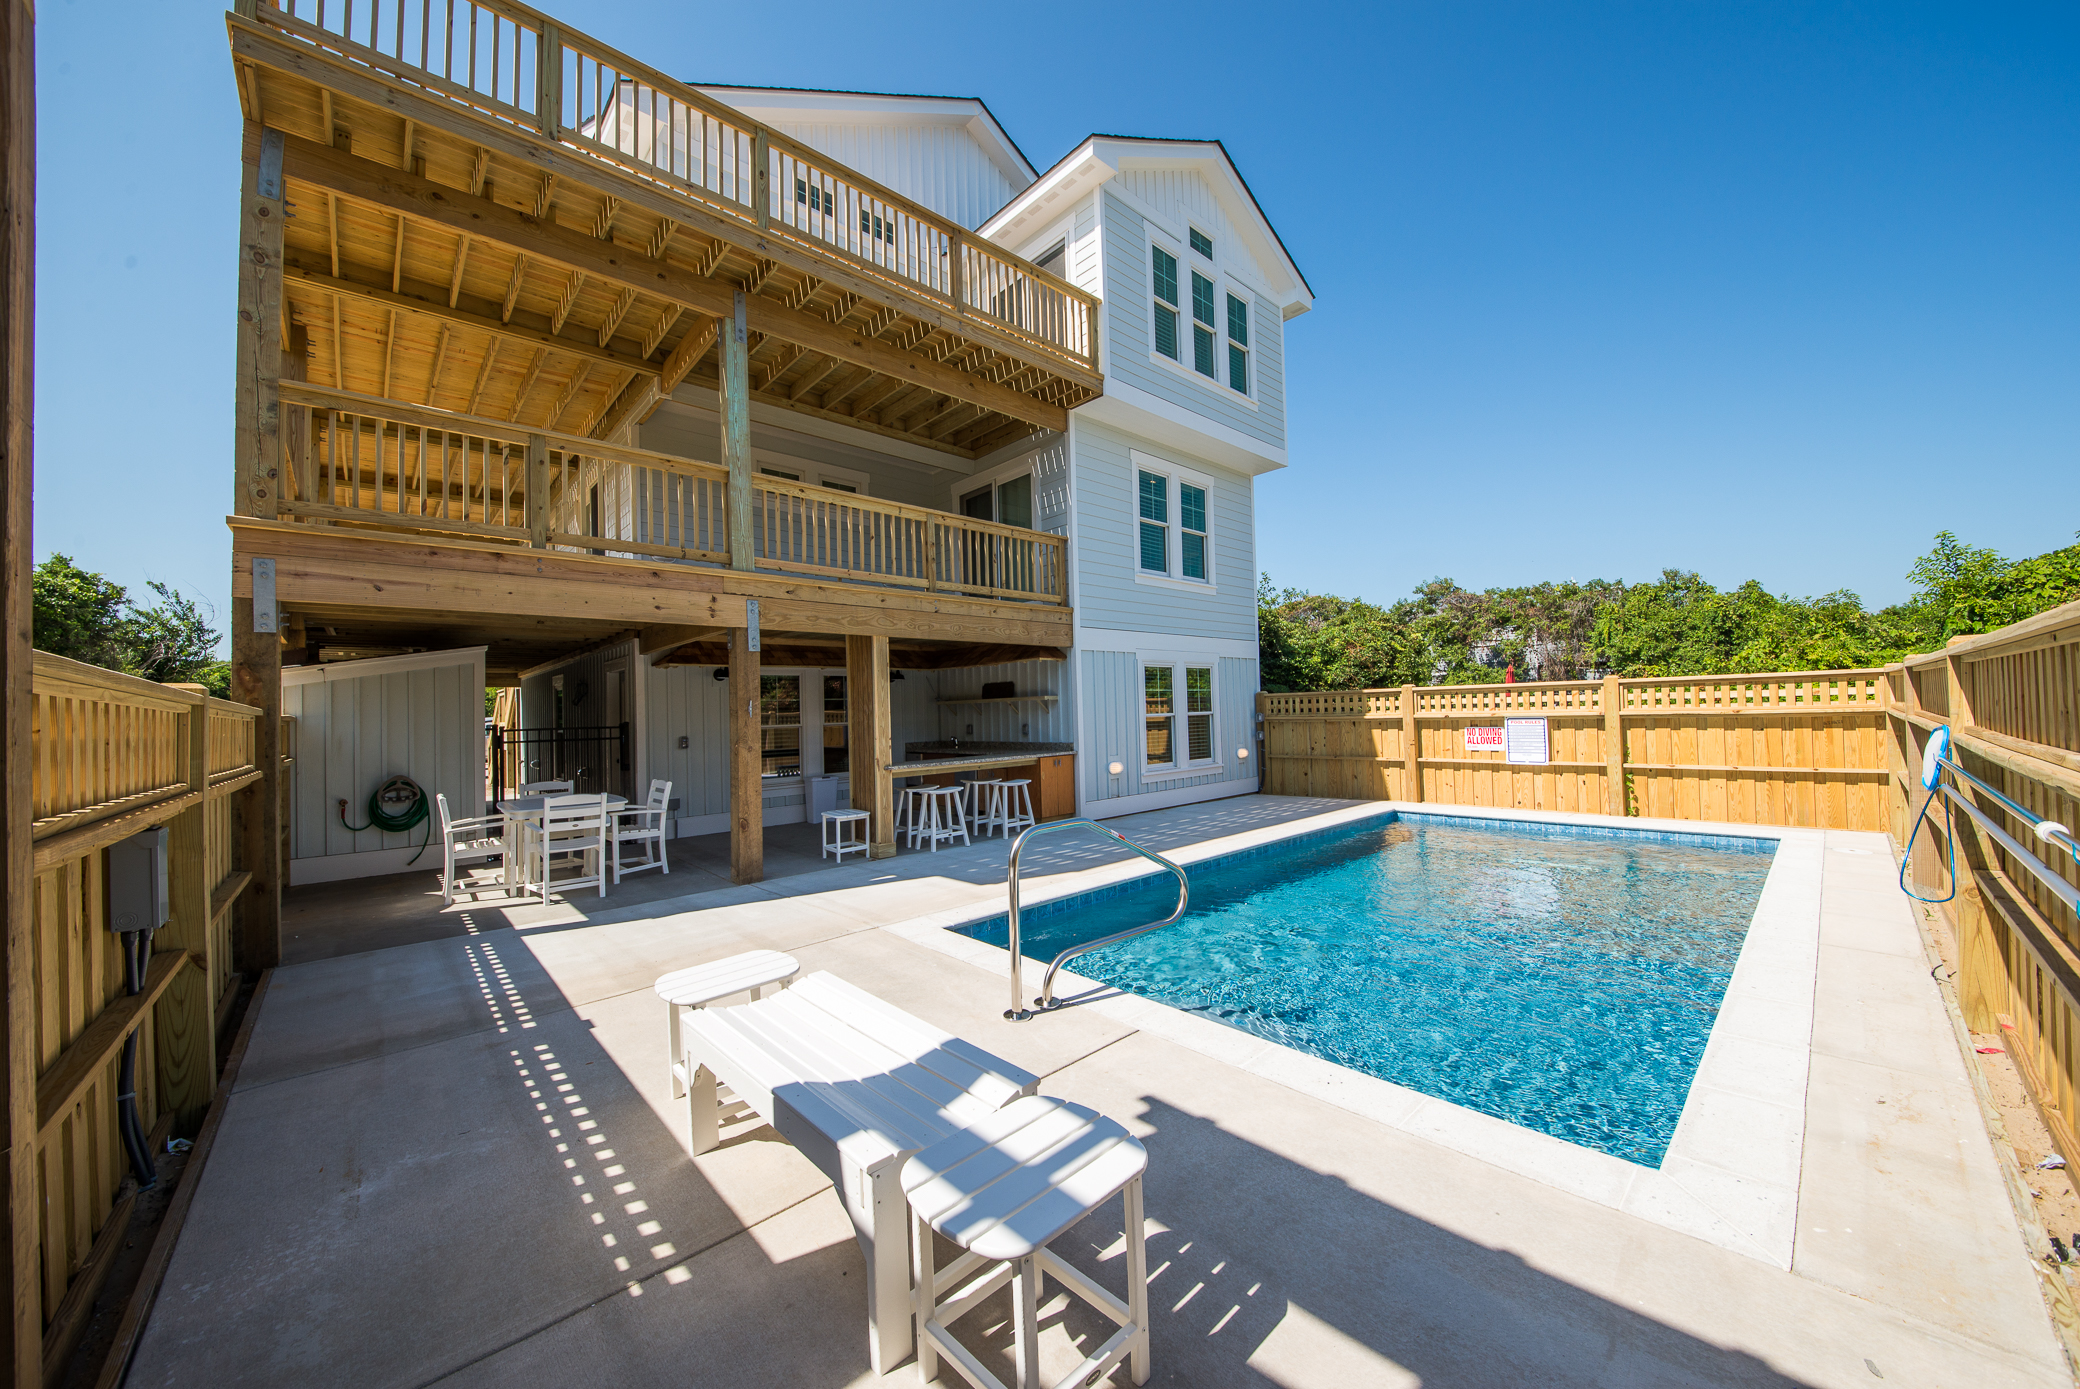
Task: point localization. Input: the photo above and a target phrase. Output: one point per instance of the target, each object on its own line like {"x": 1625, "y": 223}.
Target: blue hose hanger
{"x": 1932, "y": 759}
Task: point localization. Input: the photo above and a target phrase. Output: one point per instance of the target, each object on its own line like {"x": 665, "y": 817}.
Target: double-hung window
{"x": 1203, "y": 326}
{"x": 1164, "y": 705}
{"x": 1155, "y": 523}
{"x": 1238, "y": 344}
{"x": 1165, "y": 301}
{"x": 1191, "y": 526}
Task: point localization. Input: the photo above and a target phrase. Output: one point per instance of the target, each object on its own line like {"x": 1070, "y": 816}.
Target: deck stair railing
{"x": 363, "y": 460}
{"x": 517, "y": 65}
{"x": 1018, "y": 1012}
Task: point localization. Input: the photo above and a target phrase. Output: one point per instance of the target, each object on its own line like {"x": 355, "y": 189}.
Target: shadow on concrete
{"x": 467, "y": 1187}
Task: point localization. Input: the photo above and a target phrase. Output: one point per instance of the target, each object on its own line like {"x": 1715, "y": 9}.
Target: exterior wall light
{"x": 1116, "y": 768}
{"x": 1242, "y": 754}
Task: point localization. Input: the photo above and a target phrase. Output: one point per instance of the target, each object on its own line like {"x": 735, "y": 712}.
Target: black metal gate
{"x": 594, "y": 760}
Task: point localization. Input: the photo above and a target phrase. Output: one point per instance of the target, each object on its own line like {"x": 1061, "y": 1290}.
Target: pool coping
{"x": 1731, "y": 1172}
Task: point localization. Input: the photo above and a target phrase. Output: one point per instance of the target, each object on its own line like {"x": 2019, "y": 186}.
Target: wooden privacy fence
{"x": 113, "y": 755}
{"x": 368, "y": 461}
{"x": 1802, "y": 748}
{"x": 2011, "y": 700}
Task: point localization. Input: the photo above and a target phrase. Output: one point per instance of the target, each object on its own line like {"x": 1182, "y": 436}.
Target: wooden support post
{"x": 537, "y": 492}
{"x": 184, "y": 1020}
{"x": 869, "y": 740}
{"x": 1411, "y": 748}
{"x": 747, "y": 820}
{"x": 258, "y": 427}
{"x": 1982, "y": 976}
{"x": 736, "y": 434}
{"x": 1613, "y": 746}
{"x": 256, "y": 679}
{"x": 21, "y": 1268}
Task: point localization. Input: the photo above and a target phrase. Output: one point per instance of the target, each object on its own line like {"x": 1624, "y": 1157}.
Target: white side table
{"x": 748, "y": 973}
{"x": 1003, "y": 1188}
{"x": 844, "y": 832}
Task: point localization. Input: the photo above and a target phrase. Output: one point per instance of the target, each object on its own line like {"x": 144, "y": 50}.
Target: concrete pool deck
{"x": 386, "y": 1205}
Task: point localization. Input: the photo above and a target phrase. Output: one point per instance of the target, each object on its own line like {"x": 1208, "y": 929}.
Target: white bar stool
{"x": 942, "y": 814}
{"x": 982, "y": 803}
{"x": 908, "y": 800}
{"x": 750, "y": 972}
{"x": 1002, "y": 1189}
{"x": 844, "y": 832}
{"x": 1014, "y": 806}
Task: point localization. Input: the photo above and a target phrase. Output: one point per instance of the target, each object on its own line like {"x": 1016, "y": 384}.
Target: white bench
{"x": 858, "y": 1086}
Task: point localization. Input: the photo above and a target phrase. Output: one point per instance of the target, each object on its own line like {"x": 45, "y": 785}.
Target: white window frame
{"x": 1224, "y": 284}
{"x": 1173, "y": 474}
{"x": 1182, "y": 308}
{"x": 1229, "y": 345}
{"x": 1181, "y": 715}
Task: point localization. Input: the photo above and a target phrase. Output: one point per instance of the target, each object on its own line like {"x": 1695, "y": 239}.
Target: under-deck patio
{"x": 391, "y": 1199}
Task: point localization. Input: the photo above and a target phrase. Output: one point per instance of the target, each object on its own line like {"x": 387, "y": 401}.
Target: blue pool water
{"x": 1559, "y": 978}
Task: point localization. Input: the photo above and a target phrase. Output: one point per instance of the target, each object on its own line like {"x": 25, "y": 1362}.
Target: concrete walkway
{"x": 456, "y": 1161}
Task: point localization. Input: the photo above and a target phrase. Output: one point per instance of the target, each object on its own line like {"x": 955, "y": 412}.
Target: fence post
{"x": 1614, "y": 746}
{"x": 548, "y": 73}
{"x": 1411, "y": 748}
{"x": 183, "y": 1020}
{"x": 1982, "y": 977}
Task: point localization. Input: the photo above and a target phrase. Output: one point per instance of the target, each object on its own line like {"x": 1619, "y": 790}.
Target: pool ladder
{"x": 1018, "y": 1012}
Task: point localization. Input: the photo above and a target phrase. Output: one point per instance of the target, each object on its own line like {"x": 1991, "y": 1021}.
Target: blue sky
{"x": 1768, "y": 291}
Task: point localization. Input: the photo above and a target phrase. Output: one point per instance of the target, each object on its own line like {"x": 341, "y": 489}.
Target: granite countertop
{"x": 968, "y": 747}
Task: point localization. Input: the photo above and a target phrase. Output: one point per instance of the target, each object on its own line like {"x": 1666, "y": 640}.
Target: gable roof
{"x": 776, "y": 104}
{"x": 1100, "y": 156}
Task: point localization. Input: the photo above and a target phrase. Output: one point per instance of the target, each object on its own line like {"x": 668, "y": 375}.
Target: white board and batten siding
{"x": 359, "y": 723}
{"x": 1110, "y": 687}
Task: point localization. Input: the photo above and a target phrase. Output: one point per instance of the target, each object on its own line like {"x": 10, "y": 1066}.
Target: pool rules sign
{"x": 1524, "y": 740}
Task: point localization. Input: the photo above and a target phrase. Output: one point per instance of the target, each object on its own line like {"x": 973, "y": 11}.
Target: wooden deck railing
{"x": 377, "y": 462}
{"x": 1803, "y": 748}
{"x": 2011, "y": 700}
{"x": 517, "y": 65}
{"x": 114, "y": 755}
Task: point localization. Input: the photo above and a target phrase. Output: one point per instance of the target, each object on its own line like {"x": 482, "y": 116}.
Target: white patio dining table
{"x": 529, "y": 809}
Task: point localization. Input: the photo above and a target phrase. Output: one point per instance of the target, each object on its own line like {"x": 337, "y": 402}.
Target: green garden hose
{"x": 395, "y": 807}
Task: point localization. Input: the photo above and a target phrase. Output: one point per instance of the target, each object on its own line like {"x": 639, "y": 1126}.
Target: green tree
{"x": 79, "y": 614}
{"x": 91, "y": 618}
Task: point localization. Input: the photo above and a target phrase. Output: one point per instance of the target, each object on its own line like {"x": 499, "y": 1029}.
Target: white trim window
{"x": 1165, "y": 302}
{"x": 1170, "y": 695}
{"x": 1167, "y": 549}
{"x": 1238, "y": 344}
{"x": 1203, "y": 327}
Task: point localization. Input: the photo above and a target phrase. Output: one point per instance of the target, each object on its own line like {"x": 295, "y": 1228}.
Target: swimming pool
{"x": 1564, "y": 978}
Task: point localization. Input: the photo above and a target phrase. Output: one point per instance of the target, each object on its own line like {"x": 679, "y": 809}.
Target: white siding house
{"x": 1153, "y": 484}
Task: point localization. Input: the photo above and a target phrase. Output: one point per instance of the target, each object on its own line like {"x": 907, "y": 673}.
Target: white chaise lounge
{"x": 858, "y": 1086}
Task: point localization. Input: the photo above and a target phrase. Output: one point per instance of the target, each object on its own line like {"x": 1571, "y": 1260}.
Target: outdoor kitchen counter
{"x": 1053, "y": 774}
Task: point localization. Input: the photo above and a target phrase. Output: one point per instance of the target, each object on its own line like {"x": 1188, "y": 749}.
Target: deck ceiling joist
{"x": 513, "y": 644}
{"x": 434, "y": 256}
{"x": 814, "y": 649}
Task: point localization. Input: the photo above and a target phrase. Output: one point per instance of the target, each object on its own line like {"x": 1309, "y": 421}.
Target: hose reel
{"x": 398, "y": 806}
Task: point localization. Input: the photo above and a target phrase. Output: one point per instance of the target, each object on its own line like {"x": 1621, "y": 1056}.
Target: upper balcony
{"x": 495, "y": 214}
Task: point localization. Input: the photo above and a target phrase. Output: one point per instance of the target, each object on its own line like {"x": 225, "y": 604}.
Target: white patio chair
{"x": 545, "y": 788}
{"x": 467, "y": 840}
{"x": 644, "y": 825}
{"x": 573, "y": 826}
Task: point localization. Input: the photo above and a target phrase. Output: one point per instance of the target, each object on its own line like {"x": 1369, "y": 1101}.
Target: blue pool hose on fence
{"x": 1932, "y": 779}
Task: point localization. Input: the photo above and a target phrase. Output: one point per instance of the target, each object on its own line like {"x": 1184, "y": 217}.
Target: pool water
{"x": 1563, "y": 980}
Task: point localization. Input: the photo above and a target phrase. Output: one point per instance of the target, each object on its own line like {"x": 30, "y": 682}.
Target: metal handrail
{"x": 1017, "y": 1012}
{"x": 2049, "y": 831}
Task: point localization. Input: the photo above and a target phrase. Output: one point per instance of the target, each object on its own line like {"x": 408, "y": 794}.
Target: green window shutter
{"x": 1238, "y": 321}
{"x": 1166, "y": 275}
{"x": 1202, "y": 351}
{"x": 1155, "y": 497}
{"x": 1202, "y": 243}
{"x": 1191, "y": 506}
{"x": 1155, "y": 549}
{"x": 1194, "y": 556}
{"x": 1166, "y": 332}
{"x": 1238, "y": 368}
{"x": 1202, "y": 299}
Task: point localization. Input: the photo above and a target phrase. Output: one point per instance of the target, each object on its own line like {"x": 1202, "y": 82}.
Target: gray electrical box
{"x": 137, "y": 882}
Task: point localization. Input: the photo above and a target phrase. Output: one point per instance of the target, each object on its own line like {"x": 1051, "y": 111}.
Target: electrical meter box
{"x": 137, "y": 882}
